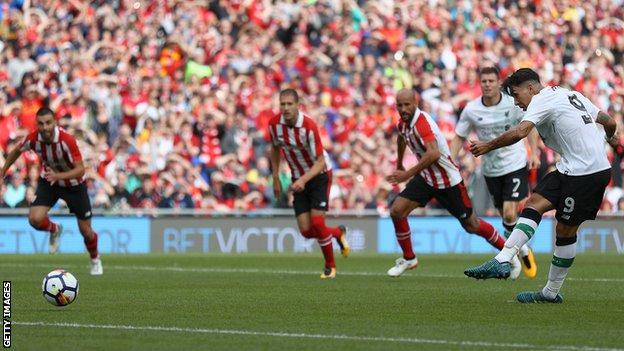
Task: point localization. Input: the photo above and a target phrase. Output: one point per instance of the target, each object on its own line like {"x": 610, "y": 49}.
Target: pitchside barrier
{"x": 180, "y": 231}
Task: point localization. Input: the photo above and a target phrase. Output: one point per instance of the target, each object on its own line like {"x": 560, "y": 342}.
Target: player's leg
{"x": 303, "y": 210}
{"x": 515, "y": 188}
{"x": 415, "y": 194}
{"x": 477, "y": 226}
{"x": 563, "y": 257}
{"x": 317, "y": 190}
{"x": 399, "y": 211}
{"x": 500, "y": 265}
{"x": 324, "y": 239}
{"x": 581, "y": 197}
{"x": 320, "y": 201}
{"x": 509, "y": 212}
{"x": 77, "y": 200}
{"x": 90, "y": 238}
{"x": 45, "y": 198}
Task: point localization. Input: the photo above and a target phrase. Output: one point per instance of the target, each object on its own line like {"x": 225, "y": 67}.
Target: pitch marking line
{"x": 279, "y": 271}
{"x": 318, "y": 336}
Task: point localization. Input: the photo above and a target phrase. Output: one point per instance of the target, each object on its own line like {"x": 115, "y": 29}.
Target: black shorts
{"x": 512, "y": 186}
{"x": 315, "y": 194}
{"x": 76, "y": 197}
{"x": 454, "y": 199}
{"x": 576, "y": 198}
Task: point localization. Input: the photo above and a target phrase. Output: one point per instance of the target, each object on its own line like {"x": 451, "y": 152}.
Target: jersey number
{"x": 517, "y": 183}
{"x": 569, "y": 205}
{"x": 574, "y": 101}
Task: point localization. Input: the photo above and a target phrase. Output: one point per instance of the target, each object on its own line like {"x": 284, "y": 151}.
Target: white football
{"x": 60, "y": 287}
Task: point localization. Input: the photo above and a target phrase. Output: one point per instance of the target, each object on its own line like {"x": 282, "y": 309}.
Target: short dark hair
{"x": 45, "y": 111}
{"x": 518, "y": 77}
{"x": 489, "y": 70}
{"x": 291, "y": 92}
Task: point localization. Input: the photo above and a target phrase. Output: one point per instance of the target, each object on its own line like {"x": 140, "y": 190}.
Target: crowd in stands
{"x": 170, "y": 100}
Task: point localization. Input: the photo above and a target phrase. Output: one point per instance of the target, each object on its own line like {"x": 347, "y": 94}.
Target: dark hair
{"x": 518, "y": 77}
{"x": 489, "y": 70}
{"x": 291, "y": 92}
{"x": 44, "y": 111}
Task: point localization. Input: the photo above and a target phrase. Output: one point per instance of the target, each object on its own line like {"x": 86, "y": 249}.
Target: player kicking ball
{"x": 567, "y": 123}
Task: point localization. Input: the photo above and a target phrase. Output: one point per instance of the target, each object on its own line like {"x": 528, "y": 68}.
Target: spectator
{"x": 151, "y": 85}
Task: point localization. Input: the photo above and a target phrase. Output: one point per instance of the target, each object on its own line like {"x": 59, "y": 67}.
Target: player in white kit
{"x": 567, "y": 123}
{"x": 505, "y": 169}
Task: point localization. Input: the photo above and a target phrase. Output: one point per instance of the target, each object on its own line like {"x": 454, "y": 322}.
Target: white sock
{"x": 524, "y": 250}
{"x": 522, "y": 233}
{"x": 561, "y": 262}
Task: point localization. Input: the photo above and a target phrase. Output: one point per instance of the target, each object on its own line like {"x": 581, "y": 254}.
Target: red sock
{"x": 47, "y": 225}
{"x": 490, "y": 234}
{"x": 404, "y": 237}
{"x": 335, "y": 232}
{"x": 92, "y": 245}
{"x": 318, "y": 222}
{"x": 328, "y": 250}
{"x": 309, "y": 234}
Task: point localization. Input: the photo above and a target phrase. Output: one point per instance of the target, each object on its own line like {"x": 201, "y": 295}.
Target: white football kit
{"x": 489, "y": 122}
{"x": 565, "y": 120}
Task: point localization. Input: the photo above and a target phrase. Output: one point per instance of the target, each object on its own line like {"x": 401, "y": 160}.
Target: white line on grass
{"x": 283, "y": 271}
{"x": 320, "y": 336}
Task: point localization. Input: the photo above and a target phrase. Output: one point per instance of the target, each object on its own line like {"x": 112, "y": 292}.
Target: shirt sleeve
{"x": 316, "y": 145}
{"x": 272, "y": 134}
{"x": 424, "y": 129}
{"x": 463, "y": 126}
{"x": 537, "y": 112}
{"x": 74, "y": 151}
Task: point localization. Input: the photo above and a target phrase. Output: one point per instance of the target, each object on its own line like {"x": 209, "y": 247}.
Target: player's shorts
{"x": 315, "y": 194}
{"x": 76, "y": 197}
{"x": 512, "y": 186}
{"x": 454, "y": 199}
{"x": 576, "y": 198}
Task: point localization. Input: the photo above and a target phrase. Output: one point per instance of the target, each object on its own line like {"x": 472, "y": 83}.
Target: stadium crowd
{"x": 170, "y": 100}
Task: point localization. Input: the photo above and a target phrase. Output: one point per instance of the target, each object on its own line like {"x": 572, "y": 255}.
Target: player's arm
{"x": 401, "y": 145}
{"x": 534, "y": 161}
{"x": 456, "y": 145}
{"x": 77, "y": 172}
{"x": 316, "y": 169}
{"x": 275, "y": 161}
{"x": 609, "y": 124}
{"x": 462, "y": 130}
{"x": 511, "y": 136}
{"x": 274, "y": 157}
{"x": 13, "y": 155}
{"x": 428, "y": 158}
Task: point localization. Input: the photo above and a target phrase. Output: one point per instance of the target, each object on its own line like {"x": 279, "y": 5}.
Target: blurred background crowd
{"x": 170, "y": 100}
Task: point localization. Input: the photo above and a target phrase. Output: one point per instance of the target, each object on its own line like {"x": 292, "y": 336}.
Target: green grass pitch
{"x": 278, "y": 302}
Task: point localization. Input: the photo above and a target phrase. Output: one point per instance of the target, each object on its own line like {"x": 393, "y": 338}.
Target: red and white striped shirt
{"x": 59, "y": 155}
{"x": 301, "y": 145}
{"x": 443, "y": 173}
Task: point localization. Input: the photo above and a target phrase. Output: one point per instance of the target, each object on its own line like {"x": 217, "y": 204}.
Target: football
{"x": 60, "y": 287}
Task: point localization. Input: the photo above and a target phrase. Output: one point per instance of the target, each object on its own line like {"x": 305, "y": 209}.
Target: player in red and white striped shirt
{"x": 298, "y": 138}
{"x": 435, "y": 176}
{"x": 62, "y": 177}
